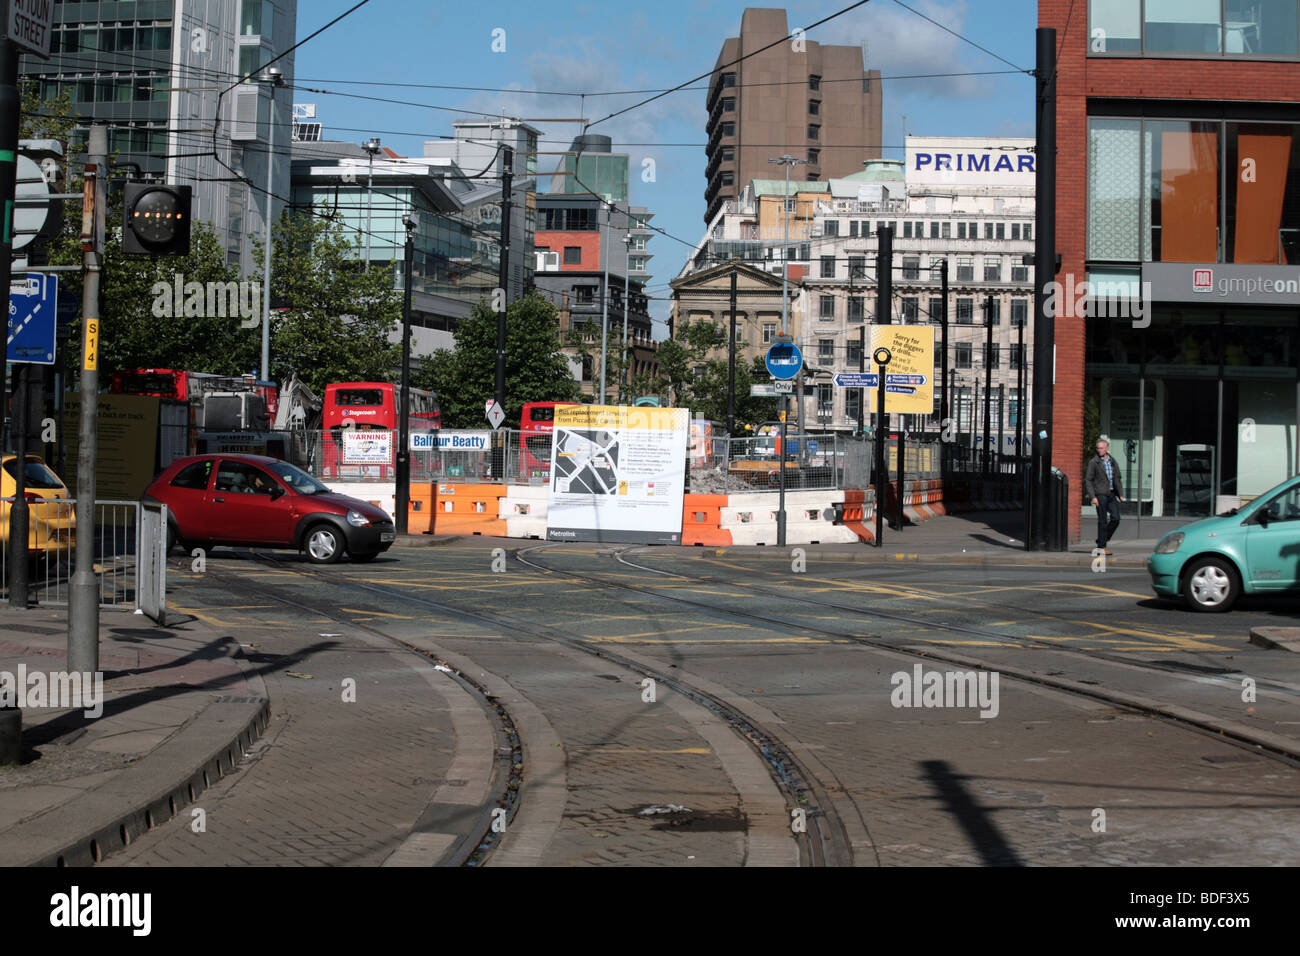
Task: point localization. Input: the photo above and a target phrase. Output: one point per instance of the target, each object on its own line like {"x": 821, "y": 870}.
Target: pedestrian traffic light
{"x": 157, "y": 219}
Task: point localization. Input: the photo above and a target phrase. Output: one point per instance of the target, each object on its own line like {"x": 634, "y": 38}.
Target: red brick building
{"x": 1178, "y": 211}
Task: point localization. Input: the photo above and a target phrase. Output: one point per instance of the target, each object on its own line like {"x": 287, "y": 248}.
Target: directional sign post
{"x": 784, "y": 362}
{"x": 33, "y": 319}
{"x": 856, "y": 379}
{"x": 495, "y": 415}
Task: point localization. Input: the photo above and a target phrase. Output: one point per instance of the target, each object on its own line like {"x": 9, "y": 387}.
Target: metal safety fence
{"x": 129, "y": 553}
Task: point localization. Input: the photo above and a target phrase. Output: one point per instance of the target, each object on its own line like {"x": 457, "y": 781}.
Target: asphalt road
{"x": 686, "y": 707}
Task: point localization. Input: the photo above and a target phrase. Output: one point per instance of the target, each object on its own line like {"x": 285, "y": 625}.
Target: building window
{"x": 947, "y": 229}
{"x": 934, "y": 230}
{"x": 961, "y": 230}
{"x": 911, "y": 267}
{"x": 907, "y": 229}
{"x": 814, "y": 156}
{"x": 728, "y": 178}
{"x": 805, "y": 251}
{"x": 584, "y": 294}
{"x": 853, "y": 229}
{"x": 995, "y": 311}
{"x": 572, "y": 255}
{"x": 961, "y": 355}
{"x": 1182, "y": 26}
{"x": 814, "y": 107}
{"x": 728, "y": 129}
{"x": 830, "y": 227}
{"x": 911, "y": 310}
{"x": 857, "y": 267}
{"x": 853, "y": 403}
{"x": 1120, "y": 26}
{"x": 1001, "y": 231}
{"x": 769, "y": 332}
{"x": 1015, "y": 230}
{"x": 728, "y": 154}
{"x": 828, "y": 267}
{"x": 825, "y": 401}
{"x": 992, "y": 270}
{"x": 728, "y": 79}
{"x": 814, "y": 131}
{"x": 988, "y": 230}
{"x": 826, "y": 306}
{"x": 936, "y": 309}
{"x": 991, "y": 350}
{"x": 857, "y": 311}
{"x": 1019, "y": 312}
{"x": 1019, "y": 273}
{"x": 853, "y": 353}
{"x": 256, "y": 18}
{"x": 966, "y": 270}
{"x": 1016, "y": 357}
{"x": 814, "y": 82}
{"x": 729, "y": 104}
{"x": 826, "y": 351}
{"x": 965, "y": 311}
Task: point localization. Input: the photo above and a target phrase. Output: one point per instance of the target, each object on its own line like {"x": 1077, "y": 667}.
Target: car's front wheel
{"x": 323, "y": 544}
{"x": 1211, "y": 584}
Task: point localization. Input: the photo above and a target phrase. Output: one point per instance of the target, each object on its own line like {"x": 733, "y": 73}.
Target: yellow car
{"x": 51, "y": 523}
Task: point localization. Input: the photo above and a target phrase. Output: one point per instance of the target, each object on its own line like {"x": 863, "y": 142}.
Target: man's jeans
{"x": 1107, "y": 518}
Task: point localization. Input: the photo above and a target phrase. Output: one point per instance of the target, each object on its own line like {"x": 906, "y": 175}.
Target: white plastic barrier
{"x": 751, "y": 518}
{"x": 524, "y": 510}
{"x": 381, "y": 494}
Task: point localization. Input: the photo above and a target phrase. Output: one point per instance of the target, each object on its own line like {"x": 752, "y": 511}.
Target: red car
{"x": 255, "y": 501}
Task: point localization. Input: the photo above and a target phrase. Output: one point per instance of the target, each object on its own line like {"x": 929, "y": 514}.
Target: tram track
{"x": 825, "y": 842}
{"x": 1273, "y": 746}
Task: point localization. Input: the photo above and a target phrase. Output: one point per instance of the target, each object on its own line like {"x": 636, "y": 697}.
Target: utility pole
{"x": 604, "y": 306}
{"x": 884, "y": 316}
{"x": 83, "y": 592}
{"x": 371, "y": 146}
{"x": 503, "y": 275}
{"x": 943, "y": 353}
{"x": 403, "y": 503}
{"x": 1037, "y": 535}
{"x": 272, "y": 78}
{"x": 786, "y": 160}
{"x": 988, "y": 378}
{"x": 1020, "y": 399}
{"x": 10, "y": 104}
{"x": 731, "y": 356}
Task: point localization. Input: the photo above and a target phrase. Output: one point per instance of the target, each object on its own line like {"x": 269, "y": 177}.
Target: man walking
{"x": 1103, "y": 485}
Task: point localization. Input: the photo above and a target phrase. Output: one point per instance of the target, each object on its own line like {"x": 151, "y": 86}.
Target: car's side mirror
{"x": 1263, "y": 518}
{"x": 276, "y": 492}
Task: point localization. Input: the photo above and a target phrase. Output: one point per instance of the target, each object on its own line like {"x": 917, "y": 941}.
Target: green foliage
{"x": 317, "y": 279}
{"x": 536, "y": 370}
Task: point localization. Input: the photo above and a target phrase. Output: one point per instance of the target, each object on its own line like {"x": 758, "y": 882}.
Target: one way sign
{"x": 33, "y": 316}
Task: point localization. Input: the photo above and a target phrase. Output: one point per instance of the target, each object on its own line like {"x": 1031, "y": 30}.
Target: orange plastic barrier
{"x": 855, "y": 503}
{"x": 701, "y": 516}
{"x": 419, "y": 514}
{"x": 469, "y": 509}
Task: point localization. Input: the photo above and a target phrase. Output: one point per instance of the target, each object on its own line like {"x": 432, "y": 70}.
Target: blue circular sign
{"x": 784, "y": 360}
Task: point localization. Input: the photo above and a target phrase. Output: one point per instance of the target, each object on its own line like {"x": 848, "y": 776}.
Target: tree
{"x": 584, "y": 339}
{"x": 337, "y": 317}
{"x": 693, "y": 371}
{"x": 536, "y": 369}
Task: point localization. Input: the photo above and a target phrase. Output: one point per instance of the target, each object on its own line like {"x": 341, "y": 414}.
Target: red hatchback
{"x": 255, "y": 501}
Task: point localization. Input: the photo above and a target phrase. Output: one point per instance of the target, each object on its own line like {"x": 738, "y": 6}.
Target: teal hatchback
{"x": 1251, "y": 550}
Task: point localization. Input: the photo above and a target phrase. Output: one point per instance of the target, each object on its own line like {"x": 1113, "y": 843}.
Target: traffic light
{"x": 157, "y": 220}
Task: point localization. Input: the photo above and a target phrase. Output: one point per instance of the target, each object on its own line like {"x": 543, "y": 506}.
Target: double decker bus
{"x": 354, "y": 409}
{"x": 536, "y": 423}
{"x": 190, "y": 387}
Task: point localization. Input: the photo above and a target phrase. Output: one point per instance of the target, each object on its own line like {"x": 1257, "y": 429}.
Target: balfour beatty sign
{"x": 451, "y": 441}
{"x": 29, "y": 24}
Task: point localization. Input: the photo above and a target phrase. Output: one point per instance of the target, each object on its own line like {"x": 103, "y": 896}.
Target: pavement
{"x": 185, "y": 708}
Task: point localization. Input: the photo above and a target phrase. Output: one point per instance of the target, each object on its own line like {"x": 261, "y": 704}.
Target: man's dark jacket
{"x": 1097, "y": 484}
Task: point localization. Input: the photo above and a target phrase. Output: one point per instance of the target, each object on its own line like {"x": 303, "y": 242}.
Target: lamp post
{"x": 274, "y": 79}
{"x": 371, "y": 146}
{"x": 403, "y": 503}
{"x": 625, "y": 378}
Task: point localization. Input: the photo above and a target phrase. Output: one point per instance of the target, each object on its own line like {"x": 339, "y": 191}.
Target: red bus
{"x": 361, "y": 407}
{"x": 536, "y": 422}
{"x": 190, "y": 386}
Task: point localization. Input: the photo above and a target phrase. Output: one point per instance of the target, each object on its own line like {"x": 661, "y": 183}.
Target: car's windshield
{"x": 297, "y": 479}
{"x": 35, "y": 475}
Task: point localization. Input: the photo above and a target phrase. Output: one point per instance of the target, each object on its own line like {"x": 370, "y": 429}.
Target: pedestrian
{"x": 1103, "y": 483}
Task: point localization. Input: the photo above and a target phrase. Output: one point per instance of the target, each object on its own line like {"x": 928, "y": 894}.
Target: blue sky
{"x": 563, "y": 47}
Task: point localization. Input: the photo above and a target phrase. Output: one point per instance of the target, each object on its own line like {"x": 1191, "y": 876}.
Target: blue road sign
{"x": 33, "y": 314}
{"x": 856, "y": 379}
{"x": 784, "y": 360}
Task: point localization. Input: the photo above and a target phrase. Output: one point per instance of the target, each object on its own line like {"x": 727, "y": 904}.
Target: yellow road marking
{"x": 676, "y": 630}
{"x": 755, "y": 640}
{"x": 702, "y": 751}
{"x": 357, "y": 610}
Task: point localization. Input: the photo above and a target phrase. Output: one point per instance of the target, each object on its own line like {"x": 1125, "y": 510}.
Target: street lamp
{"x": 627, "y": 296}
{"x": 371, "y": 146}
{"x": 403, "y": 503}
{"x": 273, "y": 78}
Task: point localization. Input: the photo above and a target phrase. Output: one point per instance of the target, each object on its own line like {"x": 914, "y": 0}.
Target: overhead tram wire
{"x": 964, "y": 39}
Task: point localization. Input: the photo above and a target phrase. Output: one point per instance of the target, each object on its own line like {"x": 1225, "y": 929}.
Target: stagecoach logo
{"x": 1202, "y": 280}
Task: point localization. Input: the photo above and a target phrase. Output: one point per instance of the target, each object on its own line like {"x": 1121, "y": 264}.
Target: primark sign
{"x": 1222, "y": 282}
{"x": 970, "y": 161}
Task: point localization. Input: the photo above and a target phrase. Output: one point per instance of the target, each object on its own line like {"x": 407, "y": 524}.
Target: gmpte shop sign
{"x": 1222, "y": 282}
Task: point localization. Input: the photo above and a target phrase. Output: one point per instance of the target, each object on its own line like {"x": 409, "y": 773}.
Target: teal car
{"x": 1251, "y": 550}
